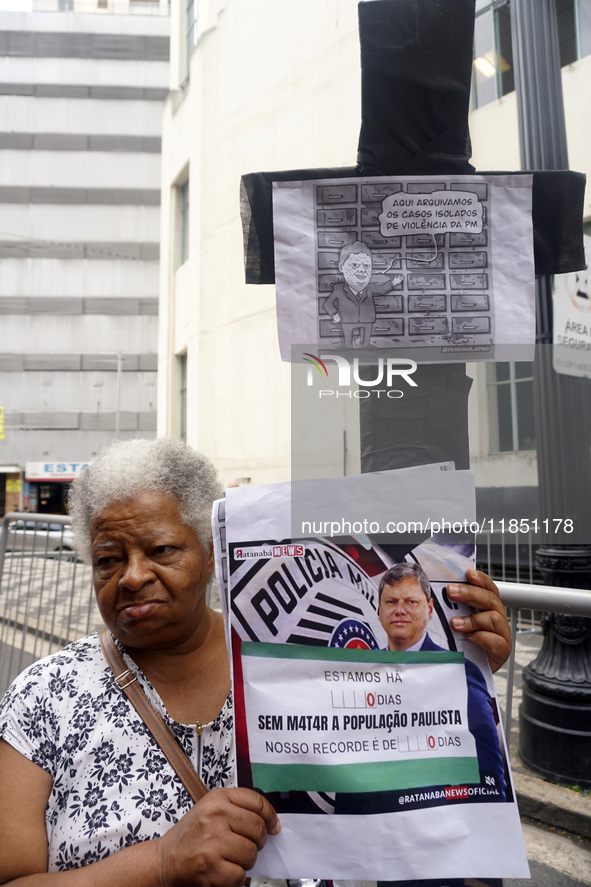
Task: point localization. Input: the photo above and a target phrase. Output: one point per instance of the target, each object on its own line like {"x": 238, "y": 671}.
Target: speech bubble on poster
{"x": 440, "y": 212}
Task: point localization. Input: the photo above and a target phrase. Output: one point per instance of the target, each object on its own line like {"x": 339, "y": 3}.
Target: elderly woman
{"x": 87, "y": 795}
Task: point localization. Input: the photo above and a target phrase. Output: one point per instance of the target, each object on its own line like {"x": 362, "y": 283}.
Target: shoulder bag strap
{"x": 161, "y": 732}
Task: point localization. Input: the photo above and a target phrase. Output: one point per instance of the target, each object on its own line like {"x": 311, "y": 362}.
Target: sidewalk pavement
{"x": 553, "y": 805}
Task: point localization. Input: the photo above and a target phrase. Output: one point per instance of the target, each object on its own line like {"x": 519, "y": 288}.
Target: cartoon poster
{"x": 572, "y": 321}
{"x": 364, "y": 727}
{"x": 444, "y": 265}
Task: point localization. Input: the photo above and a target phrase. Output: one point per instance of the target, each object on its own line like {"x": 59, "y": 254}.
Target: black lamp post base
{"x": 555, "y": 738}
{"x": 555, "y": 713}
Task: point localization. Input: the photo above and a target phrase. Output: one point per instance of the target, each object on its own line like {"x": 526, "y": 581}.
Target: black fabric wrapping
{"x": 557, "y": 209}
{"x": 428, "y": 424}
{"x": 256, "y": 211}
{"x": 416, "y": 63}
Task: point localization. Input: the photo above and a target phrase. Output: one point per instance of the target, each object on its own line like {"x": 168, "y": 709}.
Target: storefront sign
{"x": 63, "y": 471}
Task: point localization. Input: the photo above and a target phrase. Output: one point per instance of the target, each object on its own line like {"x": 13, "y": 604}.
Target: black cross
{"x": 416, "y": 63}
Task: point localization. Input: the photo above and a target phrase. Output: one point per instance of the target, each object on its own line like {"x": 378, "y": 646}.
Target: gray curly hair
{"x": 128, "y": 468}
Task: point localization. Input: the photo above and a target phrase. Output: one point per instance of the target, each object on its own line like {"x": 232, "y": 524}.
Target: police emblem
{"x": 351, "y": 634}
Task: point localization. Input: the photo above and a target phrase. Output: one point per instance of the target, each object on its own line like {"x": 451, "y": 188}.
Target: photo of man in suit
{"x": 405, "y": 609}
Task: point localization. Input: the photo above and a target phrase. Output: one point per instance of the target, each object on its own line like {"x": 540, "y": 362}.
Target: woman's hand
{"x": 217, "y": 841}
{"x": 488, "y": 627}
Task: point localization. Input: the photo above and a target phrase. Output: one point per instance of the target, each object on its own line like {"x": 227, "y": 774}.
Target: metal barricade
{"x": 47, "y": 599}
{"x": 46, "y": 594}
{"x": 519, "y": 596}
{"x": 511, "y": 558}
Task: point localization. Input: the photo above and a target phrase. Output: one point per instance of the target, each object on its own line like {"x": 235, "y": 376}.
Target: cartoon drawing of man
{"x": 351, "y": 303}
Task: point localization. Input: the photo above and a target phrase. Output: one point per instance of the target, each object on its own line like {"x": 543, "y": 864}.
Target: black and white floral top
{"x": 112, "y": 785}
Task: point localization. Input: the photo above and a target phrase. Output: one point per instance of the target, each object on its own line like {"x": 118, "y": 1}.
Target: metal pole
{"x": 555, "y": 715}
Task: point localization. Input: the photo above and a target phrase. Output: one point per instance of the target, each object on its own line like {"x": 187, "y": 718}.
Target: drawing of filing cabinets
{"x": 419, "y": 326}
{"x": 327, "y": 281}
{"x": 465, "y": 239}
{"x": 337, "y": 193}
{"x": 387, "y": 326}
{"x": 425, "y": 261}
{"x": 421, "y": 241}
{"x": 337, "y": 216}
{"x": 330, "y": 332}
{"x": 467, "y": 259}
{"x": 469, "y": 281}
{"x": 427, "y": 303}
{"x": 375, "y": 240}
{"x": 425, "y": 280}
{"x": 386, "y": 261}
{"x": 388, "y": 304}
{"x": 328, "y": 260}
{"x": 335, "y": 239}
{"x": 471, "y": 302}
{"x": 370, "y": 216}
{"x": 377, "y": 193}
{"x": 479, "y": 324}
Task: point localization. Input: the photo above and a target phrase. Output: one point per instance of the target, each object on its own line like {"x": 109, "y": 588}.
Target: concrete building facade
{"x": 81, "y": 100}
{"x": 277, "y": 86}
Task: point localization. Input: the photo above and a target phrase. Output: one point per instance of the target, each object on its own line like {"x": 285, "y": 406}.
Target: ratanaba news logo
{"x": 386, "y": 373}
{"x": 243, "y": 554}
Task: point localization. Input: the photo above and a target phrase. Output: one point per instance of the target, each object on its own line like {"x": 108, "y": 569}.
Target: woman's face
{"x": 150, "y": 573}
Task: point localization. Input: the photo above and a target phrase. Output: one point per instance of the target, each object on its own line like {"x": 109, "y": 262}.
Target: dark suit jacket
{"x": 481, "y": 724}
{"x": 350, "y": 309}
{"x": 481, "y": 721}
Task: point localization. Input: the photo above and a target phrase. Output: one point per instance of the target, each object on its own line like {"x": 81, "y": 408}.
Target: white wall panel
{"x": 80, "y": 224}
{"x": 80, "y": 169}
{"x": 77, "y": 391}
{"x": 53, "y": 446}
{"x": 73, "y": 277}
{"x": 86, "y": 116}
{"x": 154, "y": 26}
{"x": 84, "y": 72}
{"x": 78, "y": 334}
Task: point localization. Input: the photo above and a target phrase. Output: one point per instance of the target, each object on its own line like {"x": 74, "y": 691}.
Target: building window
{"x": 183, "y": 193}
{"x": 191, "y": 31}
{"x": 510, "y": 407}
{"x": 492, "y": 71}
{"x": 183, "y": 396}
{"x": 583, "y": 22}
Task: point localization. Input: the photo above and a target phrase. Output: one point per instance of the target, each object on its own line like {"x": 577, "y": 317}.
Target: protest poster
{"x": 440, "y": 265}
{"x": 309, "y": 650}
{"x": 330, "y": 734}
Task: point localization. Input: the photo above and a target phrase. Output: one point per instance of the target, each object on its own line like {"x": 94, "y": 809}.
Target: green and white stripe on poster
{"x": 341, "y": 720}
